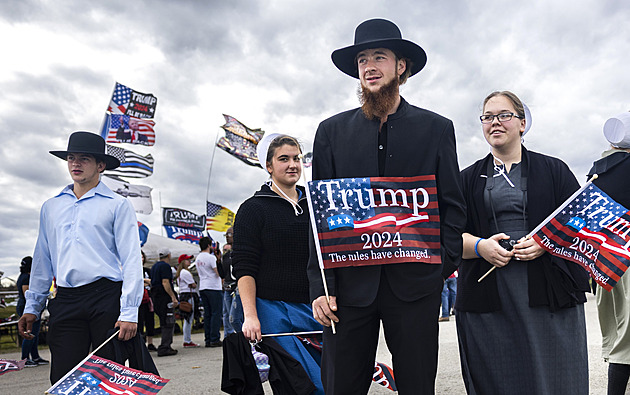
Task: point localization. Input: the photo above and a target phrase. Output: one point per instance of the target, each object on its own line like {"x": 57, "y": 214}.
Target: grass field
{"x": 7, "y": 343}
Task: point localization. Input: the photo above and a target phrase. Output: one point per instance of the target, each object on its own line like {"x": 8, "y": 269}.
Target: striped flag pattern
{"x": 131, "y": 164}
{"x": 99, "y": 375}
{"x": 114, "y": 123}
{"x": 10, "y": 365}
{"x": 592, "y": 230}
{"x": 131, "y": 102}
{"x": 218, "y": 218}
{"x": 375, "y": 221}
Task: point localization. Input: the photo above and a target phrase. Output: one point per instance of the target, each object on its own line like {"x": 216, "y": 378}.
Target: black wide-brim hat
{"x": 88, "y": 143}
{"x": 378, "y": 33}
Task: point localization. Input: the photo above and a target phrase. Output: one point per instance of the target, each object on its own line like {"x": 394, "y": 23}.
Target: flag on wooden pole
{"x": 593, "y": 230}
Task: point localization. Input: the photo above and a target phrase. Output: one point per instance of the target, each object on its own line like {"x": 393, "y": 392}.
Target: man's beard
{"x": 376, "y": 105}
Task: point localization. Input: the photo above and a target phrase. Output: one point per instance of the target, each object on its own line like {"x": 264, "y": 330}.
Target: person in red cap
{"x": 187, "y": 286}
{"x": 385, "y": 137}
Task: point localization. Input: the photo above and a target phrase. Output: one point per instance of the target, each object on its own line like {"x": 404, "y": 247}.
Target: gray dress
{"x": 520, "y": 349}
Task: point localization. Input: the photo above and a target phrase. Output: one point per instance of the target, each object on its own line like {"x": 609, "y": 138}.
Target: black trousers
{"x": 146, "y": 320}
{"x": 79, "y": 320}
{"x": 411, "y": 333}
{"x": 167, "y": 320}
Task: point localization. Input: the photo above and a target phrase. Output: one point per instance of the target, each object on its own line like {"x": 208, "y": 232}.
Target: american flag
{"x": 131, "y": 164}
{"x": 218, "y": 218}
{"x": 240, "y": 141}
{"x": 375, "y": 221}
{"x": 10, "y": 365}
{"x": 120, "y": 99}
{"x": 114, "y": 122}
{"x": 384, "y": 375}
{"x": 130, "y": 102}
{"x": 593, "y": 230}
{"x": 102, "y": 376}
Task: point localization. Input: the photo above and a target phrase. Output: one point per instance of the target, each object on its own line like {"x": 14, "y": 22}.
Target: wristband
{"x": 477, "y": 244}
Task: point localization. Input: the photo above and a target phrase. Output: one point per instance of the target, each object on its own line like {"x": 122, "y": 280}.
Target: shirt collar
{"x": 100, "y": 189}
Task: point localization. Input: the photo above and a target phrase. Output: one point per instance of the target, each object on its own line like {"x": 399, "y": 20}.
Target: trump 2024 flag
{"x": 102, "y": 376}
{"x": 594, "y": 231}
{"x": 375, "y": 221}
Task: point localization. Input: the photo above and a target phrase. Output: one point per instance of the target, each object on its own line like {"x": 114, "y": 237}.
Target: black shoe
{"x": 218, "y": 343}
{"x": 41, "y": 361}
{"x": 151, "y": 347}
{"x": 167, "y": 353}
{"x": 30, "y": 363}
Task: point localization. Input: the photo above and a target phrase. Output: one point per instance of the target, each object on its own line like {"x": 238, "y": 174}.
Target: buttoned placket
{"x": 75, "y": 219}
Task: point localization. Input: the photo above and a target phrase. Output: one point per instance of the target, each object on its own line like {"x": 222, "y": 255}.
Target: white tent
{"x": 156, "y": 242}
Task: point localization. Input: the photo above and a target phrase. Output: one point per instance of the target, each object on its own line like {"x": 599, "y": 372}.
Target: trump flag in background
{"x": 118, "y": 128}
{"x": 189, "y": 235}
{"x": 10, "y": 365}
{"x": 375, "y": 221}
{"x": 133, "y": 103}
{"x": 592, "y": 230}
{"x": 101, "y": 376}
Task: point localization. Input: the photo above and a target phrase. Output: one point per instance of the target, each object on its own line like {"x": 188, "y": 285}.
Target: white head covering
{"x": 528, "y": 119}
{"x": 617, "y": 130}
{"x": 263, "y": 146}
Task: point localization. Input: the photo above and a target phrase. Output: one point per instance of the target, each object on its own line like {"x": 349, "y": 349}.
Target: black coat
{"x": 613, "y": 172}
{"x": 271, "y": 245}
{"x": 552, "y": 281}
{"x": 419, "y": 142}
{"x": 239, "y": 374}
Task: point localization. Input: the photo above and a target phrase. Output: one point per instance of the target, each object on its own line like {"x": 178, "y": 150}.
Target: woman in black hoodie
{"x": 271, "y": 251}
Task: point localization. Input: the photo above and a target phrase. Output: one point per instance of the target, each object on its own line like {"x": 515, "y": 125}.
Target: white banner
{"x": 138, "y": 195}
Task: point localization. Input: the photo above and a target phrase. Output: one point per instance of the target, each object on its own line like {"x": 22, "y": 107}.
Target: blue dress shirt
{"x": 83, "y": 240}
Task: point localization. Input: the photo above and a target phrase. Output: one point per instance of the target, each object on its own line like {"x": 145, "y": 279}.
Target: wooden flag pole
{"x": 317, "y": 246}
{"x": 549, "y": 218}
{"x": 82, "y": 362}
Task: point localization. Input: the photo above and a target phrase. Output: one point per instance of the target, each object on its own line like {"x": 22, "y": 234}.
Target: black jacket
{"x": 239, "y": 374}
{"x": 419, "y": 142}
{"x": 271, "y": 245}
{"x": 552, "y": 281}
{"x": 613, "y": 173}
{"x": 135, "y": 351}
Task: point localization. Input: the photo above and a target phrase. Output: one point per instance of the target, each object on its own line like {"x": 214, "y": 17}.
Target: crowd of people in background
{"x": 194, "y": 296}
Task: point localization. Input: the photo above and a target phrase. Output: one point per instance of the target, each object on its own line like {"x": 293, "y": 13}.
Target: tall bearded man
{"x": 386, "y": 137}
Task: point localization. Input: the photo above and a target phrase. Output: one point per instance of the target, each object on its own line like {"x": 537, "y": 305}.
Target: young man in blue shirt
{"x": 88, "y": 242}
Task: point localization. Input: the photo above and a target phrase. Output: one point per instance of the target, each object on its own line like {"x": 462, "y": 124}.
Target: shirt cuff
{"x": 34, "y": 303}
{"x": 128, "y": 314}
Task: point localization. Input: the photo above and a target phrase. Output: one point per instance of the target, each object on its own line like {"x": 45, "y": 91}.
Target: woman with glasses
{"x": 270, "y": 255}
{"x": 521, "y": 330}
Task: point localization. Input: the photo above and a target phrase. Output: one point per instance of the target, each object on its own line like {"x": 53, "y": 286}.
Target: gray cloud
{"x": 268, "y": 64}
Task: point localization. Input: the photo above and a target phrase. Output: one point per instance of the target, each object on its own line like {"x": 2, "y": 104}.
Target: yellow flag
{"x": 218, "y": 218}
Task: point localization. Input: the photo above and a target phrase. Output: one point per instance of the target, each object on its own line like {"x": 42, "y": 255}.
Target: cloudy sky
{"x": 267, "y": 63}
